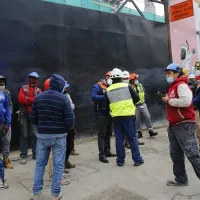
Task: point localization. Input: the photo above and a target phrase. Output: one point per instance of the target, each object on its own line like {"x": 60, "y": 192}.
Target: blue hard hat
{"x": 66, "y": 84}
{"x": 34, "y": 74}
{"x": 173, "y": 67}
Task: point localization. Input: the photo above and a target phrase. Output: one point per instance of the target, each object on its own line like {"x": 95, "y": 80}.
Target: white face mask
{"x": 2, "y": 87}
{"x": 136, "y": 82}
{"x": 125, "y": 81}
{"x": 109, "y": 81}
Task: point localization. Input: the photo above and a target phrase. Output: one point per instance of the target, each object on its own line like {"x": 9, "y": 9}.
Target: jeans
{"x": 142, "y": 112}
{"x": 104, "y": 126}
{"x": 6, "y": 144}
{"x": 126, "y": 126}
{"x": 183, "y": 140}
{"x": 56, "y": 142}
{"x": 70, "y": 143}
{"x": 26, "y": 129}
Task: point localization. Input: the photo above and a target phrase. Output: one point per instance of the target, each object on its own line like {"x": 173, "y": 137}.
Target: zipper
{"x": 179, "y": 112}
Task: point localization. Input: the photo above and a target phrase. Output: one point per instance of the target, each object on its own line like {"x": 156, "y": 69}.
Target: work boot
{"x": 127, "y": 145}
{"x": 103, "y": 160}
{"x": 74, "y": 153}
{"x": 7, "y": 163}
{"x": 34, "y": 156}
{"x": 3, "y": 185}
{"x": 35, "y": 197}
{"x": 175, "y": 183}
{"x": 140, "y": 134}
{"x": 140, "y": 143}
{"x": 23, "y": 161}
{"x": 111, "y": 155}
{"x": 59, "y": 196}
{"x": 69, "y": 165}
{"x": 152, "y": 133}
{"x": 139, "y": 163}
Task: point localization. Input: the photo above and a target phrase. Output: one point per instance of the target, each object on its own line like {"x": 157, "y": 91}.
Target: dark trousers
{"x": 26, "y": 129}
{"x": 70, "y": 143}
{"x": 126, "y": 126}
{"x": 104, "y": 126}
{"x": 183, "y": 140}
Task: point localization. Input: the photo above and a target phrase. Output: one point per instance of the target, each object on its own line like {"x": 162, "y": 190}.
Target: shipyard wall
{"x": 81, "y": 45}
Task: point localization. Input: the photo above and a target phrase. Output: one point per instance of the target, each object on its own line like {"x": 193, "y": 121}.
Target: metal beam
{"x": 160, "y": 2}
{"x": 135, "y": 5}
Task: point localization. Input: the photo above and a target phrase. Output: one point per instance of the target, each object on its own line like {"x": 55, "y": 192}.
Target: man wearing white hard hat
{"x": 26, "y": 96}
{"x": 120, "y": 99}
{"x": 192, "y": 83}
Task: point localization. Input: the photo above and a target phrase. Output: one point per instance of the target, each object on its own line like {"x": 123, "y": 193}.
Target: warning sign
{"x": 181, "y": 10}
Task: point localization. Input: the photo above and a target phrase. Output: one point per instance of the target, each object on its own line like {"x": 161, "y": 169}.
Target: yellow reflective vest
{"x": 141, "y": 93}
{"x": 121, "y": 103}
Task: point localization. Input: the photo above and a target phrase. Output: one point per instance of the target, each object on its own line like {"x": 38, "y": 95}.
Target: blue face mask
{"x": 170, "y": 80}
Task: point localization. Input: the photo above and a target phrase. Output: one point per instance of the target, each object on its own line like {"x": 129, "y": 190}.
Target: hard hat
{"x": 116, "y": 73}
{"x": 34, "y": 74}
{"x": 66, "y": 85}
{"x": 47, "y": 84}
{"x": 192, "y": 76}
{"x": 173, "y": 67}
{"x": 126, "y": 74}
{"x": 134, "y": 76}
{"x": 108, "y": 74}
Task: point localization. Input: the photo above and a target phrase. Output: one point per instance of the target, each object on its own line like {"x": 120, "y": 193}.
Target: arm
{"x": 134, "y": 94}
{"x": 33, "y": 114}
{"x": 196, "y": 100}
{"x": 10, "y": 101}
{"x": 71, "y": 102}
{"x": 7, "y": 114}
{"x": 69, "y": 116}
{"x": 185, "y": 97}
{"x": 23, "y": 100}
{"x": 95, "y": 94}
{"x": 107, "y": 103}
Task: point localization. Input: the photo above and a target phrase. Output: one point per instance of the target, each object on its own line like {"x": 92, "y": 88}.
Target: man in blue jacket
{"x": 104, "y": 121}
{"x": 53, "y": 115}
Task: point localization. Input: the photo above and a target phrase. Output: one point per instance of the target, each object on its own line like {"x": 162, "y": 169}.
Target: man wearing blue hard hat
{"x": 26, "y": 96}
{"x": 182, "y": 127}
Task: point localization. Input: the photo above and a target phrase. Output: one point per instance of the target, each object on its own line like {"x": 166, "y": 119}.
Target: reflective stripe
{"x": 121, "y": 103}
{"x": 119, "y": 94}
{"x": 140, "y": 93}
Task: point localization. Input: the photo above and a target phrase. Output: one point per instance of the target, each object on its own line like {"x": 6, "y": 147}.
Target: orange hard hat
{"x": 108, "y": 74}
{"x": 133, "y": 76}
{"x": 47, "y": 84}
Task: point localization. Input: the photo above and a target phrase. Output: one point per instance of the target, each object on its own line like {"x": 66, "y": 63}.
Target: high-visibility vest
{"x": 121, "y": 102}
{"x": 141, "y": 93}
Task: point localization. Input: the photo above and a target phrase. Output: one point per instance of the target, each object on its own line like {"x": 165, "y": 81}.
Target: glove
{"x": 5, "y": 129}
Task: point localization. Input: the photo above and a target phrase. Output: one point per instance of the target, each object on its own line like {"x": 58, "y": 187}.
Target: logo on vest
{"x": 172, "y": 94}
{"x": 2, "y": 97}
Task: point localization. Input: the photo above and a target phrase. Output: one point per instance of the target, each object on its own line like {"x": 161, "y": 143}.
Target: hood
{"x": 57, "y": 83}
{"x": 181, "y": 79}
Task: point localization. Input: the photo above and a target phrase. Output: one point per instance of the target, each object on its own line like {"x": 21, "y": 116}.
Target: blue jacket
{"x": 98, "y": 98}
{"x": 51, "y": 111}
{"x": 5, "y": 114}
{"x": 196, "y": 99}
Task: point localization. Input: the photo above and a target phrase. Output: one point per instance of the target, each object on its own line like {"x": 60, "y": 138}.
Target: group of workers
{"x": 119, "y": 101}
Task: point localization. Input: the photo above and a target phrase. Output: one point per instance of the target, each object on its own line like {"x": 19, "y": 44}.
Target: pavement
{"x": 93, "y": 180}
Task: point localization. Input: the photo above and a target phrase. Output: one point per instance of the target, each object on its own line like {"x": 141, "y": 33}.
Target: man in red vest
{"x": 104, "y": 120}
{"x": 182, "y": 127}
{"x": 26, "y": 96}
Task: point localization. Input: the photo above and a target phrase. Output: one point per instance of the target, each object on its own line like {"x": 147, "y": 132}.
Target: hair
{"x": 117, "y": 80}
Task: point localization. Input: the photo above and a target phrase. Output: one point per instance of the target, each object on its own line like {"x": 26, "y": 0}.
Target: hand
{"x": 165, "y": 99}
{"x": 5, "y": 129}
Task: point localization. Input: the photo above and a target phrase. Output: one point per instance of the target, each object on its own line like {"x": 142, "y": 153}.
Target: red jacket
{"x": 26, "y": 97}
{"x": 177, "y": 115}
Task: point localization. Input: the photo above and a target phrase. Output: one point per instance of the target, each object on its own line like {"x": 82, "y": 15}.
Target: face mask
{"x": 109, "y": 81}
{"x": 170, "y": 79}
{"x": 2, "y": 87}
{"x": 136, "y": 82}
{"x": 125, "y": 81}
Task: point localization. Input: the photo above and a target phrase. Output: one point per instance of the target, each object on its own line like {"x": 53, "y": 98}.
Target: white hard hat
{"x": 116, "y": 73}
{"x": 192, "y": 76}
{"x": 126, "y": 74}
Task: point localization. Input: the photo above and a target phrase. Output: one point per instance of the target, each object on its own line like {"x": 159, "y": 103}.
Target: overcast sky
{"x": 140, "y": 4}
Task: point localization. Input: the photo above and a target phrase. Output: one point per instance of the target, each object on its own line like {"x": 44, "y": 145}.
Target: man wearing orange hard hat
{"x": 141, "y": 107}
{"x": 104, "y": 120}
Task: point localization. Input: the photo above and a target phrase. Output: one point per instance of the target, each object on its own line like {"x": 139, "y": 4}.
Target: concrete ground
{"x": 93, "y": 180}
